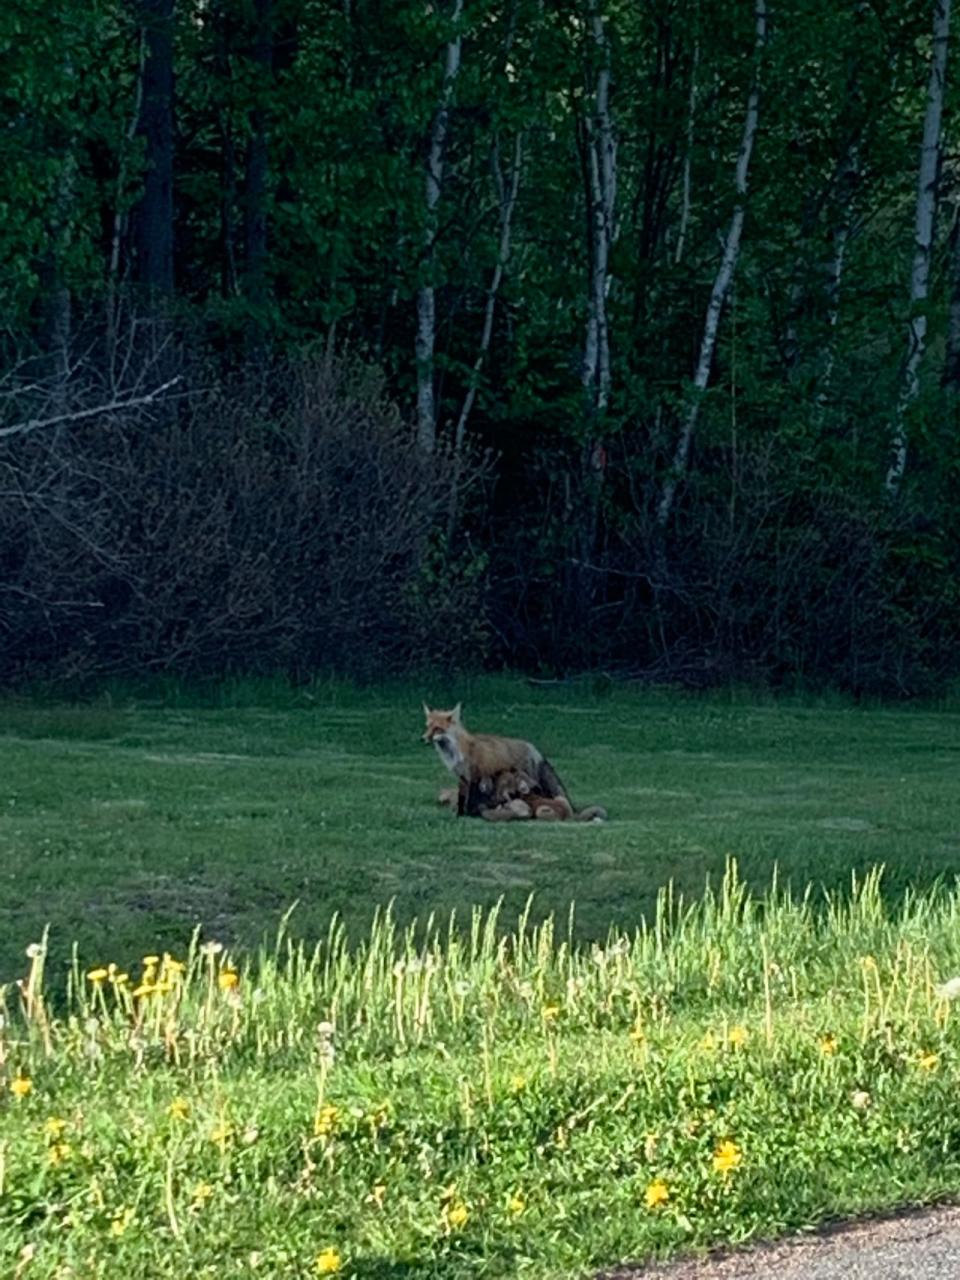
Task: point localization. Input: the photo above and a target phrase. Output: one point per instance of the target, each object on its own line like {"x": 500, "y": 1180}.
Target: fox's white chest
{"x": 450, "y": 754}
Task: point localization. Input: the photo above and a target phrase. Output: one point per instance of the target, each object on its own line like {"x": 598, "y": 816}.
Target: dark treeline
{"x": 583, "y": 335}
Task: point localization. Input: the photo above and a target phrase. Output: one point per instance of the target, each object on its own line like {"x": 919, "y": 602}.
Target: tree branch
{"x": 78, "y": 415}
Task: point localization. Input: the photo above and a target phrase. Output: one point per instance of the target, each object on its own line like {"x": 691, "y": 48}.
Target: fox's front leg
{"x": 473, "y": 797}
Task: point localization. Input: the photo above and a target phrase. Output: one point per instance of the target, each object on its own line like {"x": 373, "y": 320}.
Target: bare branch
{"x": 77, "y": 415}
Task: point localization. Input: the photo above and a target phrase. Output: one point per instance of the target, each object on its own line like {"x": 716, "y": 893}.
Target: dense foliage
{"x": 519, "y": 212}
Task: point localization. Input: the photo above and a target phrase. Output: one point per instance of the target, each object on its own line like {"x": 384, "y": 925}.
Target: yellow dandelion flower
{"x": 516, "y": 1204}
{"x": 150, "y": 962}
{"x": 179, "y": 1109}
{"x": 928, "y": 1061}
{"x": 171, "y": 966}
{"x": 53, "y": 1126}
{"x": 518, "y": 1084}
{"x": 121, "y": 1220}
{"x": 828, "y": 1045}
{"x": 657, "y": 1193}
{"x": 328, "y": 1262}
{"x": 325, "y": 1121}
{"x": 227, "y": 979}
{"x": 221, "y": 1134}
{"x": 550, "y": 1012}
{"x": 737, "y": 1037}
{"x": 96, "y": 976}
{"x": 21, "y": 1086}
{"x": 145, "y": 989}
{"x": 120, "y": 979}
{"x": 727, "y": 1157}
{"x": 202, "y": 1192}
{"x": 457, "y": 1215}
{"x": 59, "y": 1152}
{"x": 380, "y": 1115}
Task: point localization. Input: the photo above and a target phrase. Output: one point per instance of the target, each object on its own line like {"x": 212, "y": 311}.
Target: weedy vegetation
{"x": 483, "y": 1102}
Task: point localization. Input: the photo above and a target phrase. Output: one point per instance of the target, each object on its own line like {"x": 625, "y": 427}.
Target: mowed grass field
{"x": 200, "y": 1093}
{"x": 124, "y": 825}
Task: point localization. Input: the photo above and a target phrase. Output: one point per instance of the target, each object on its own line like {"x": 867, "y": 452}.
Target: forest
{"x": 588, "y": 336}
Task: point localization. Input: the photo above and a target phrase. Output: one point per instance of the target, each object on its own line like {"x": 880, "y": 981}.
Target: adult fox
{"x": 476, "y": 757}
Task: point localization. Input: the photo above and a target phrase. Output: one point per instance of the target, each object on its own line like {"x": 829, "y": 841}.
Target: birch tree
{"x": 507, "y": 192}
{"x": 426, "y": 294}
{"x": 840, "y": 234}
{"x": 688, "y": 153}
{"x": 926, "y": 208}
{"x": 601, "y": 168}
{"x": 724, "y": 277}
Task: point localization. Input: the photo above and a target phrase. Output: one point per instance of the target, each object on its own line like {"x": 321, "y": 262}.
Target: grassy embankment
{"x": 503, "y": 1099}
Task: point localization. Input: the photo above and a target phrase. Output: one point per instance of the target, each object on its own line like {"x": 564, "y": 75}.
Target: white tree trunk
{"x": 602, "y": 177}
{"x": 120, "y": 217}
{"x": 507, "y": 197}
{"x": 840, "y": 237}
{"x": 923, "y": 242}
{"x": 724, "y": 277}
{"x": 688, "y": 154}
{"x": 433, "y": 185}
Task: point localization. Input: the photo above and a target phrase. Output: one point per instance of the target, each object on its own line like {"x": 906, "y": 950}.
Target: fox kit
{"x": 476, "y": 757}
{"x": 516, "y": 797}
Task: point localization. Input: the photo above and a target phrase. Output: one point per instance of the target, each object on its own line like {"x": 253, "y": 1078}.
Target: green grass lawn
{"x": 396, "y": 1104}
{"x": 124, "y": 825}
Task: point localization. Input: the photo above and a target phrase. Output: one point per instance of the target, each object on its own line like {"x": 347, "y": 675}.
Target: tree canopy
{"x": 646, "y": 273}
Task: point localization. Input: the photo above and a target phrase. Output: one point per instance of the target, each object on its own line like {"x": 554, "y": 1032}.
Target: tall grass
{"x": 461, "y": 1098}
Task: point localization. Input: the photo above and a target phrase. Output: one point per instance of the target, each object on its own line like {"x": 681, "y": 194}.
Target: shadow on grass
{"x": 444, "y": 1268}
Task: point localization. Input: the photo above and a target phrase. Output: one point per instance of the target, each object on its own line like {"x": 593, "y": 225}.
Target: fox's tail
{"x": 592, "y": 813}
{"x": 549, "y": 782}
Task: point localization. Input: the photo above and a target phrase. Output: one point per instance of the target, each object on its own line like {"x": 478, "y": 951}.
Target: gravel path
{"x": 924, "y": 1245}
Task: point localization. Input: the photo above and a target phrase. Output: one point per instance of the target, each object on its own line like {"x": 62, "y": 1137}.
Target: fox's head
{"x": 439, "y": 722}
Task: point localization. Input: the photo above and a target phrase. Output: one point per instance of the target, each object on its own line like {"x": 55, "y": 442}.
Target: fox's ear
{"x": 455, "y": 713}
{"x": 426, "y": 710}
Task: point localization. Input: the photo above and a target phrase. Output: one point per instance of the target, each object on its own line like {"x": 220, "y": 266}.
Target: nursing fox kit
{"x": 500, "y": 779}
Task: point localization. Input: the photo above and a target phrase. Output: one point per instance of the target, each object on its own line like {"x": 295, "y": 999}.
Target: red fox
{"x": 517, "y": 798}
{"x": 476, "y": 757}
